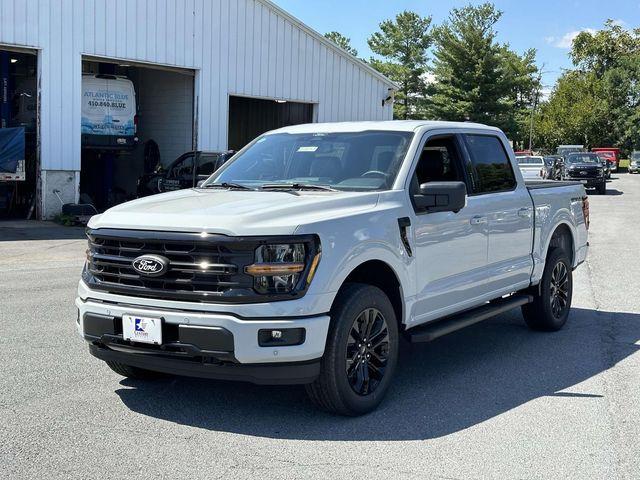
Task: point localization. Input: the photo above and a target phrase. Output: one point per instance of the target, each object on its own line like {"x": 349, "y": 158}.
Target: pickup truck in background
{"x": 532, "y": 167}
{"x": 306, "y": 257}
{"x": 610, "y": 154}
{"x": 587, "y": 169}
{"x": 181, "y": 172}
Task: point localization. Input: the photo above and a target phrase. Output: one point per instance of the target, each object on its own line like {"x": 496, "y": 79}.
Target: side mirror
{"x": 441, "y": 197}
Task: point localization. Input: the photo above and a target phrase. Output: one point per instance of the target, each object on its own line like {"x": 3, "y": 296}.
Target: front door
{"x": 450, "y": 248}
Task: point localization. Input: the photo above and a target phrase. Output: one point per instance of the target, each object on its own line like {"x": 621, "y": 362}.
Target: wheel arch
{"x": 562, "y": 236}
{"x": 378, "y": 273}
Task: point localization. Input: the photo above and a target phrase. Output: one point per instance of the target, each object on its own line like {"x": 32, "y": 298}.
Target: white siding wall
{"x": 242, "y": 47}
{"x": 165, "y": 106}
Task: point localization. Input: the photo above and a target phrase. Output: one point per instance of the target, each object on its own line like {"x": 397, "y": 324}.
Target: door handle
{"x": 524, "y": 212}
{"x": 478, "y": 220}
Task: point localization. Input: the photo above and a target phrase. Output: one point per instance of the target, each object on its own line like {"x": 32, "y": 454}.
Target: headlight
{"x": 279, "y": 268}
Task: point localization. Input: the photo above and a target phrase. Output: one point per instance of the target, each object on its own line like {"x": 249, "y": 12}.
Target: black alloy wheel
{"x": 559, "y": 290}
{"x": 367, "y": 351}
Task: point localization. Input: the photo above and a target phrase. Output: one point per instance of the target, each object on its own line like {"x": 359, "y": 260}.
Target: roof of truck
{"x": 390, "y": 125}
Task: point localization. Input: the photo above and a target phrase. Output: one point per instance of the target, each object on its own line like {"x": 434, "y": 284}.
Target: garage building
{"x": 208, "y": 75}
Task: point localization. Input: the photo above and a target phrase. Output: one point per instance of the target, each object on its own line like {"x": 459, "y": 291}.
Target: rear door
{"x": 450, "y": 248}
{"x": 508, "y": 208}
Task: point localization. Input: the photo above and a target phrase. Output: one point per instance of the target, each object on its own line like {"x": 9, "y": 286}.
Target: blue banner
{"x": 11, "y": 148}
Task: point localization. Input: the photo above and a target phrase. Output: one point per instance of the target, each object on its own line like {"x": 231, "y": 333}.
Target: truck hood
{"x": 233, "y": 212}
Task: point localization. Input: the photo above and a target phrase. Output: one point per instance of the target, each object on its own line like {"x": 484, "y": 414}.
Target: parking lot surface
{"x": 492, "y": 401}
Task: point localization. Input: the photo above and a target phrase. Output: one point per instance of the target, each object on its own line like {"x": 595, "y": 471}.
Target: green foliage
{"x": 65, "y": 220}
{"x": 403, "y": 44}
{"x": 598, "y": 102}
{"x": 342, "y": 41}
{"x": 476, "y": 78}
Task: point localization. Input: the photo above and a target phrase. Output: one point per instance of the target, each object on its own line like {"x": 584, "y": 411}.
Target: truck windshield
{"x": 351, "y": 161}
{"x": 583, "y": 158}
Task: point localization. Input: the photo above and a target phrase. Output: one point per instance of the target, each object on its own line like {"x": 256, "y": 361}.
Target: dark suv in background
{"x": 181, "y": 173}
{"x": 586, "y": 168}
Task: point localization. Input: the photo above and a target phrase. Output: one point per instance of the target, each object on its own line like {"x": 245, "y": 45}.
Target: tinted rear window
{"x": 491, "y": 169}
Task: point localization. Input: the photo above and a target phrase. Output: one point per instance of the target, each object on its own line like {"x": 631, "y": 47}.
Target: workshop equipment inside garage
{"x": 19, "y": 132}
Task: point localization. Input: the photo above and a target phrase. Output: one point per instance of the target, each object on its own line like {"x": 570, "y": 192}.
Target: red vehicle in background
{"x": 609, "y": 153}
{"x": 524, "y": 153}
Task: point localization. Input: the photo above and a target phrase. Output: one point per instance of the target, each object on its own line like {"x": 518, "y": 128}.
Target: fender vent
{"x": 404, "y": 223}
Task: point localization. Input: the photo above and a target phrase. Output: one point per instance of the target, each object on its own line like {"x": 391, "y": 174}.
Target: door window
{"x": 491, "y": 170}
{"x": 181, "y": 169}
{"x": 439, "y": 162}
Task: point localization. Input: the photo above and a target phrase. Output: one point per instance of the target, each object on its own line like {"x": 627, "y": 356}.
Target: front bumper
{"x": 192, "y": 345}
{"x": 262, "y": 374}
{"x": 588, "y": 182}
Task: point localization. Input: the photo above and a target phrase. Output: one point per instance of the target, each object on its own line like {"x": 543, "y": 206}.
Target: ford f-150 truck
{"x": 307, "y": 257}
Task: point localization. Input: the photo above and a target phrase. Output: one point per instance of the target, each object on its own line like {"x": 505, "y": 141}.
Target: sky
{"x": 546, "y": 25}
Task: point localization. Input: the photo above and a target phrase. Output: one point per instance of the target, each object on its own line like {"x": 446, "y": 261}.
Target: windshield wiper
{"x": 297, "y": 186}
{"x": 228, "y": 185}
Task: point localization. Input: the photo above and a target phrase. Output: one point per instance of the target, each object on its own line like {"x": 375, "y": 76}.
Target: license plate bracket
{"x": 142, "y": 329}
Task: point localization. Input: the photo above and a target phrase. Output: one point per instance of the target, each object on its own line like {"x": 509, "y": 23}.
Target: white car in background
{"x": 532, "y": 167}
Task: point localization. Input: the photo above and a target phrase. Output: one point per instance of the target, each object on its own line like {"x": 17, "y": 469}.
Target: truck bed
{"x": 537, "y": 184}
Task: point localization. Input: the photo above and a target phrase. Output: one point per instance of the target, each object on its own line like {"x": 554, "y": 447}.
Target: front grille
{"x": 202, "y": 268}
{"x": 589, "y": 172}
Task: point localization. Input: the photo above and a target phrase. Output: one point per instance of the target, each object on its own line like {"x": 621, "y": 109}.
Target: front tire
{"x": 361, "y": 352}
{"x": 550, "y": 307}
{"x": 602, "y": 188}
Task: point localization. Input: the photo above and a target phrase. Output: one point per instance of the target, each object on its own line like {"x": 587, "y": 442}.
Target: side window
{"x": 207, "y": 164}
{"x": 439, "y": 162}
{"x": 491, "y": 170}
{"x": 182, "y": 168}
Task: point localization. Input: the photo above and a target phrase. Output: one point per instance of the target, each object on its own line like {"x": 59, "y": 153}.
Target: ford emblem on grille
{"x": 151, "y": 265}
{"x": 583, "y": 172}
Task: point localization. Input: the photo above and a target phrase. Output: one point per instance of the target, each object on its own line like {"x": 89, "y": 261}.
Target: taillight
{"x": 585, "y": 210}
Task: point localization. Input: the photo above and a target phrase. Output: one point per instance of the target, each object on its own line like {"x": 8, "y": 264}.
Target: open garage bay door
{"x": 251, "y": 117}
{"x": 157, "y": 105}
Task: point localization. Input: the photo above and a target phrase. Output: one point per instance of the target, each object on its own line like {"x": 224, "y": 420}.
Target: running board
{"x": 438, "y": 328}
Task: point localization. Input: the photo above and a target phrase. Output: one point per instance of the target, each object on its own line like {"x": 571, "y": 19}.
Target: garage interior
{"x": 165, "y": 130}
{"x": 19, "y": 136}
{"x": 251, "y": 117}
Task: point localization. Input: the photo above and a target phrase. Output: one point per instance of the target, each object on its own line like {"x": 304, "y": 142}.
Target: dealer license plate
{"x": 142, "y": 329}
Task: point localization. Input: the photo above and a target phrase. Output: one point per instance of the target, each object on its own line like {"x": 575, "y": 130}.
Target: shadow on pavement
{"x": 440, "y": 388}
{"x": 11, "y": 231}
{"x": 614, "y": 192}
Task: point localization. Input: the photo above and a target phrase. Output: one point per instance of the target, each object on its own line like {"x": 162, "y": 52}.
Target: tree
{"x": 598, "y": 102}
{"x": 403, "y": 44}
{"x": 476, "y": 78}
{"x": 342, "y": 42}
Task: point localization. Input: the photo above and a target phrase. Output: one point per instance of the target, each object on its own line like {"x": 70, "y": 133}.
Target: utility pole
{"x": 533, "y": 109}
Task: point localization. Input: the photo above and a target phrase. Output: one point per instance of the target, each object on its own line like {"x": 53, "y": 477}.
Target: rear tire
{"x": 550, "y": 307}
{"x": 134, "y": 372}
{"x": 356, "y": 371}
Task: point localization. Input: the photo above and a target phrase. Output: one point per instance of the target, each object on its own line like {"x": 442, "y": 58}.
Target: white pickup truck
{"x": 306, "y": 257}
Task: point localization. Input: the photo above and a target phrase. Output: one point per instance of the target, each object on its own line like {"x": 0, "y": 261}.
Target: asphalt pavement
{"x": 492, "y": 401}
